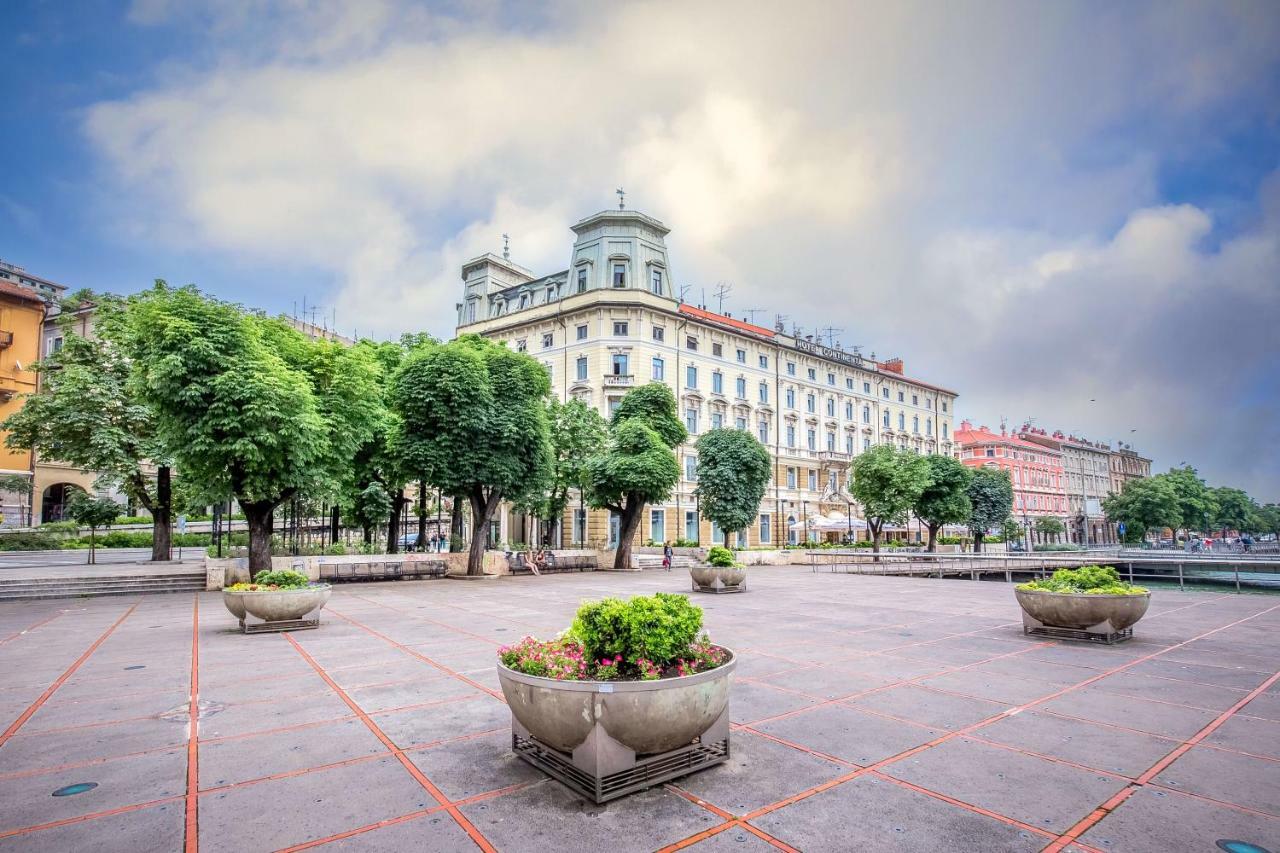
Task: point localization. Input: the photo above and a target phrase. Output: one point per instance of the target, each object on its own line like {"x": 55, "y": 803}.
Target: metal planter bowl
{"x": 644, "y": 716}
{"x": 1082, "y": 611}
{"x": 705, "y": 575}
{"x": 279, "y": 605}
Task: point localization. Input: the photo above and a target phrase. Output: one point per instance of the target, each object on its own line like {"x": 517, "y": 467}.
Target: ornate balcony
{"x": 619, "y": 380}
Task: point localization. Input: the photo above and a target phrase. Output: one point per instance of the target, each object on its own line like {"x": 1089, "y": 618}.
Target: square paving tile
{"x": 548, "y": 816}
{"x": 1036, "y": 792}
{"x": 1208, "y": 696}
{"x": 239, "y": 759}
{"x": 157, "y": 828}
{"x": 827, "y": 682}
{"x": 1241, "y": 779}
{"x": 438, "y": 833}
{"x": 735, "y": 840}
{"x": 244, "y": 718}
{"x": 282, "y": 812}
{"x": 1266, "y": 706}
{"x": 465, "y": 768}
{"x": 1239, "y": 677}
{"x": 1155, "y": 821}
{"x": 24, "y": 752}
{"x": 849, "y": 734}
{"x": 1153, "y": 717}
{"x": 930, "y": 707}
{"x": 103, "y": 710}
{"x": 752, "y": 701}
{"x": 1243, "y": 734}
{"x": 386, "y": 696}
{"x": 1097, "y": 746}
{"x": 875, "y": 814}
{"x": 438, "y": 722}
{"x": 759, "y": 772}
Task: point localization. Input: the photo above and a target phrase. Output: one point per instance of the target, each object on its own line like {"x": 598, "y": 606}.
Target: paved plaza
{"x": 871, "y": 713}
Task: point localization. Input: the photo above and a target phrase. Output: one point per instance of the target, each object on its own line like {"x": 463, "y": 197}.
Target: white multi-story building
{"x": 612, "y": 321}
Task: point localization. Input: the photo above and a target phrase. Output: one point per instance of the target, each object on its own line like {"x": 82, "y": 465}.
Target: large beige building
{"x": 1086, "y": 481}
{"x": 1127, "y": 464}
{"x": 612, "y": 320}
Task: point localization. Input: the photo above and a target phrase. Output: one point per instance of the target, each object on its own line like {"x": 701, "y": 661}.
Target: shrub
{"x": 658, "y": 629}
{"x": 281, "y": 578}
{"x": 32, "y": 541}
{"x": 1058, "y": 546}
{"x": 560, "y": 659}
{"x": 134, "y": 519}
{"x": 61, "y": 528}
{"x": 1091, "y": 580}
{"x": 721, "y": 557}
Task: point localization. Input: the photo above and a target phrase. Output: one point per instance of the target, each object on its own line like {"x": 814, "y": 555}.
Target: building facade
{"x": 1127, "y": 464}
{"x": 22, "y": 312}
{"x": 1036, "y": 471}
{"x": 1087, "y": 480}
{"x": 612, "y": 321}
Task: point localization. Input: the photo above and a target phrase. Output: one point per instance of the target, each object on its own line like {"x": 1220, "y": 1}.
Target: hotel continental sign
{"x": 612, "y": 321}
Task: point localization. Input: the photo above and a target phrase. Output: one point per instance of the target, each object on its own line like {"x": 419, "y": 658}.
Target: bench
{"x": 374, "y": 570}
{"x": 654, "y": 561}
{"x": 520, "y": 562}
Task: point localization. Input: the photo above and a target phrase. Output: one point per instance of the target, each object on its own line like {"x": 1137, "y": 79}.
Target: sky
{"x": 1066, "y": 212}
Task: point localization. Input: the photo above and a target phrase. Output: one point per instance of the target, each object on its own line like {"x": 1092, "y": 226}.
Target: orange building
{"x": 22, "y": 312}
{"x": 1036, "y": 471}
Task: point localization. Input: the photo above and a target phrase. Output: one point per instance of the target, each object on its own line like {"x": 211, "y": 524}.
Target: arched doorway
{"x": 53, "y": 502}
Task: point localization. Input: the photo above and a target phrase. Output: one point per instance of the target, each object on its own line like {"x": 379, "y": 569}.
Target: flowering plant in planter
{"x": 1087, "y": 580}
{"x": 273, "y": 581}
{"x": 644, "y": 639}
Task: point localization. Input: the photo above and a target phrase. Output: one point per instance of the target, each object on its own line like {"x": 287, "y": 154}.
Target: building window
{"x": 582, "y": 333}
{"x": 848, "y": 444}
{"x": 866, "y": 444}
{"x": 791, "y": 435}
{"x": 812, "y": 438}
{"x": 764, "y": 392}
{"x": 691, "y": 343}
{"x": 886, "y": 419}
{"x": 944, "y": 430}
{"x": 522, "y": 345}
{"x": 614, "y": 402}
{"x": 991, "y": 451}
{"x": 659, "y": 333}
{"x": 619, "y": 275}
{"x": 658, "y": 525}
{"x": 717, "y": 420}
{"x": 579, "y": 526}
{"x": 524, "y": 300}
{"x": 764, "y": 432}
{"x": 848, "y": 411}
{"x": 848, "y": 383}
{"x": 740, "y": 424}
{"x": 813, "y": 480}
{"x": 717, "y": 350}
{"x": 831, "y": 407}
{"x": 690, "y": 525}
{"x": 620, "y": 364}
{"x": 691, "y": 421}
{"x": 547, "y": 340}
{"x": 791, "y": 478}
{"x": 811, "y": 403}
{"x": 884, "y": 392}
{"x": 915, "y": 400}
{"x": 742, "y": 356}
{"x": 944, "y": 407}
{"x": 620, "y": 329}
{"x": 901, "y": 397}
{"x": 582, "y": 279}
{"x": 915, "y": 424}
{"x": 813, "y": 374}
{"x": 928, "y": 426}
{"x": 740, "y": 388}
{"x": 764, "y": 362}
{"x": 866, "y": 414}
{"x": 691, "y": 377}
{"x": 655, "y": 282}
{"x": 582, "y": 367}
{"x": 766, "y": 529}
{"x": 866, "y": 387}
{"x": 902, "y": 421}
{"x": 691, "y": 468}
{"x": 717, "y": 382}
{"x": 831, "y": 379}
{"x": 791, "y": 398}
{"x": 658, "y": 369}
{"x": 831, "y": 441}
{"x": 791, "y": 368}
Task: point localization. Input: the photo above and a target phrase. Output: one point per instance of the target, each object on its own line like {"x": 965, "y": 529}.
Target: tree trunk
{"x": 933, "y": 537}
{"x": 627, "y": 524}
{"x": 393, "y": 523}
{"x": 874, "y": 527}
{"x": 335, "y": 525}
{"x": 455, "y": 526}
{"x": 162, "y": 517}
{"x": 977, "y": 541}
{"x": 258, "y": 517}
{"x": 482, "y": 510}
{"x": 93, "y": 541}
{"x": 422, "y": 515}
{"x": 368, "y": 534}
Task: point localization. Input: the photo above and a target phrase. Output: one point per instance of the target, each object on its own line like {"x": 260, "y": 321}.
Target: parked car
{"x": 408, "y": 542}
{"x": 1016, "y": 547}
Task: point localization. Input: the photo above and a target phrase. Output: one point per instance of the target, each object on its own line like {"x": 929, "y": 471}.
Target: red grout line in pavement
{"x": 46, "y": 620}
{"x": 192, "y": 831}
{"x": 92, "y": 762}
{"x": 61, "y": 679}
{"x": 413, "y": 770}
{"x": 444, "y": 625}
{"x": 54, "y": 824}
{"x": 1005, "y": 819}
{"x": 407, "y": 650}
{"x": 1211, "y": 800}
{"x": 702, "y": 835}
{"x": 698, "y": 801}
{"x": 1050, "y": 758}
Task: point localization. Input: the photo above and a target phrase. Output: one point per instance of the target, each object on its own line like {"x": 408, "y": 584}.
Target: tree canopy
{"x": 1234, "y": 510}
{"x": 1195, "y": 501}
{"x": 945, "y": 496}
{"x": 733, "y": 472}
{"x": 990, "y": 499}
{"x": 887, "y": 483}
{"x": 474, "y": 423}
{"x": 1144, "y": 504}
{"x": 577, "y": 432}
{"x": 92, "y": 512}
{"x": 638, "y": 465}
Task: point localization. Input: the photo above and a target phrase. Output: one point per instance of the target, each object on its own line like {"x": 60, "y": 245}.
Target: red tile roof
{"x": 722, "y": 320}
{"x": 983, "y": 435}
{"x": 17, "y": 291}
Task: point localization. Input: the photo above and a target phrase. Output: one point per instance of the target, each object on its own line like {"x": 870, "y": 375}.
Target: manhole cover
{"x": 77, "y": 788}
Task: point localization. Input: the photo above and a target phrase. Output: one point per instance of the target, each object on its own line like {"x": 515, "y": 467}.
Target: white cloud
{"x": 975, "y": 191}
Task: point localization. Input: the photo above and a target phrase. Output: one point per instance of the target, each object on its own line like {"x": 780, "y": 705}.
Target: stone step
{"x": 654, "y": 561}
{"x": 95, "y": 592}
{"x": 94, "y": 585}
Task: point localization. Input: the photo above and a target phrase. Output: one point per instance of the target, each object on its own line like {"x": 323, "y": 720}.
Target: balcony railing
{"x": 6, "y": 340}
{"x": 619, "y": 380}
{"x": 833, "y": 456}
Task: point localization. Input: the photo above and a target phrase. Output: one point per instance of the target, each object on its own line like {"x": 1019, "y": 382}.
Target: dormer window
{"x": 619, "y": 274}
{"x": 524, "y": 300}
{"x": 582, "y": 279}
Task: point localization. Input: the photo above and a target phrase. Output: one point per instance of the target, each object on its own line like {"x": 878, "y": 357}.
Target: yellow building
{"x": 22, "y": 312}
{"x": 612, "y": 321}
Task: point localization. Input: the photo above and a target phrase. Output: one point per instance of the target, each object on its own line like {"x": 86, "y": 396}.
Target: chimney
{"x": 893, "y": 365}
{"x": 966, "y": 425}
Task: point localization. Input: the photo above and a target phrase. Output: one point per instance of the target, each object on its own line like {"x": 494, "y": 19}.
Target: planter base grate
{"x": 646, "y": 772}
{"x": 717, "y": 590}
{"x": 282, "y": 625}
{"x": 1109, "y": 638}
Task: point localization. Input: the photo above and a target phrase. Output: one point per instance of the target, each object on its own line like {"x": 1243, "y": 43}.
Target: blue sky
{"x": 1021, "y": 200}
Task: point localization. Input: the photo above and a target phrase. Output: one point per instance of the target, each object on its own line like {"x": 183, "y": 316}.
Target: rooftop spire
{"x": 622, "y": 198}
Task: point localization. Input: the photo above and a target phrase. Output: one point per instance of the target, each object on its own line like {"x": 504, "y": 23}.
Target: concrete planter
{"x": 609, "y": 738}
{"x": 280, "y": 609}
{"x": 717, "y": 578}
{"x": 1103, "y": 617}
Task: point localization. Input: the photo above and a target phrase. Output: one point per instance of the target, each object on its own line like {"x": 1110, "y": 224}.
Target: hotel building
{"x": 612, "y": 321}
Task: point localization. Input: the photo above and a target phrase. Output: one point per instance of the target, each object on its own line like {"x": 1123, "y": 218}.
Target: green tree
{"x": 88, "y": 417}
{"x": 577, "y": 433}
{"x": 1268, "y": 520}
{"x": 1195, "y": 501}
{"x": 990, "y": 499}
{"x": 887, "y": 483}
{"x": 945, "y": 498}
{"x": 1144, "y": 504}
{"x": 92, "y": 513}
{"x": 1010, "y": 530}
{"x": 1233, "y": 509}
{"x": 246, "y": 405}
{"x": 733, "y": 472}
{"x": 474, "y": 423}
{"x": 1047, "y": 526}
{"x": 638, "y": 465}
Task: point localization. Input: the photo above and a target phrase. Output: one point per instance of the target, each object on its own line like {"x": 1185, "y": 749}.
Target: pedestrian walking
{"x": 667, "y": 554}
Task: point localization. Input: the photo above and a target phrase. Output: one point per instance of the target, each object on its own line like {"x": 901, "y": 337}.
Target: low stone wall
{"x": 229, "y": 570}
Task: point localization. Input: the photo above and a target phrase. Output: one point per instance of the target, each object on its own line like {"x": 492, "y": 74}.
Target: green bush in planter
{"x": 721, "y": 557}
{"x": 658, "y": 628}
{"x": 1090, "y": 580}
{"x": 283, "y": 578}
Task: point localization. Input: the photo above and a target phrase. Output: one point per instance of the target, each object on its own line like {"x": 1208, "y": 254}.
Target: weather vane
{"x": 622, "y": 198}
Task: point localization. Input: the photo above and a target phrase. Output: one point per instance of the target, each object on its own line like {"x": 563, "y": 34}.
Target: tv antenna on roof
{"x": 830, "y": 332}
{"x": 780, "y": 322}
{"x": 751, "y": 314}
{"x": 722, "y": 290}
{"x": 684, "y": 291}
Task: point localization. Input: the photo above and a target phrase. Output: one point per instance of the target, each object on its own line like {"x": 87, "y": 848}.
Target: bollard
{"x": 1237, "y": 568}
{"x": 1181, "y": 586}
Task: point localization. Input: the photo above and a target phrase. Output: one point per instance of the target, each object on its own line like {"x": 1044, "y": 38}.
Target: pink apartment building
{"x": 1037, "y": 471}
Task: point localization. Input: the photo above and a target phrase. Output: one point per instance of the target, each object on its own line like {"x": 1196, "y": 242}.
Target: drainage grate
{"x": 1109, "y": 639}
